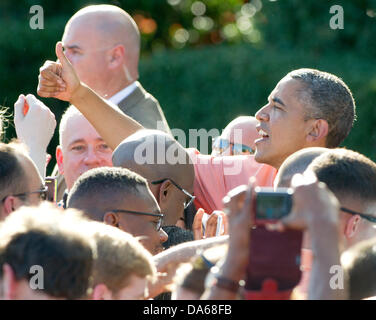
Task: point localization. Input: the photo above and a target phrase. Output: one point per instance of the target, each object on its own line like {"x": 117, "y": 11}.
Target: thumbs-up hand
{"x": 58, "y": 79}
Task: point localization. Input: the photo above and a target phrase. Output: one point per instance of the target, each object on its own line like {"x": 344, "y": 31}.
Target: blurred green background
{"x": 209, "y": 61}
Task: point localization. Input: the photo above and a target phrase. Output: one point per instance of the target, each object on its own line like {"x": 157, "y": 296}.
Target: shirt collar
{"x": 122, "y": 94}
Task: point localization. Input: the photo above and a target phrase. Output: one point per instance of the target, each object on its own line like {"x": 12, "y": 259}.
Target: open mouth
{"x": 263, "y": 135}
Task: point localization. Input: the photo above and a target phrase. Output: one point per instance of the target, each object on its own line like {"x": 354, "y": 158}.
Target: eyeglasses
{"x": 187, "y": 203}
{"x": 220, "y": 145}
{"x": 158, "y": 226}
{"x": 368, "y": 217}
{"x": 42, "y": 194}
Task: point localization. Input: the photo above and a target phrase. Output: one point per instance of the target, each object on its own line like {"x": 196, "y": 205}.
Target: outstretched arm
{"x": 60, "y": 81}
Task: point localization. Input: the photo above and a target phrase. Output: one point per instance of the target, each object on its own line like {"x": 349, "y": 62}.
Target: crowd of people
{"x": 135, "y": 215}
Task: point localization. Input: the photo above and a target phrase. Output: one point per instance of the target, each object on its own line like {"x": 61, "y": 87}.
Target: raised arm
{"x": 59, "y": 80}
{"x": 35, "y": 127}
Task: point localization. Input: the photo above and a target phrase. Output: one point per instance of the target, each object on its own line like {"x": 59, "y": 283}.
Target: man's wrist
{"x": 78, "y": 94}
{"x": 224, "y": 281}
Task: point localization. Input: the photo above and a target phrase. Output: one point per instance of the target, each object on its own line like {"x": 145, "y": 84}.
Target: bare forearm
{"x": 39, "y": 157}
{"x": 326, "y": 275}
{"x": 232, "y": 269}
{"x": 112, "y": 125}
{"x": 185, "y": 251}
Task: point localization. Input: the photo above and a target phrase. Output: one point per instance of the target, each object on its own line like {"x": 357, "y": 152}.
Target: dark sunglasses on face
{"x": 188, "y": 202}
{"x": 42, "y": 194}
{"x": 220, "y": 145}
{"x": 158, "y": 226}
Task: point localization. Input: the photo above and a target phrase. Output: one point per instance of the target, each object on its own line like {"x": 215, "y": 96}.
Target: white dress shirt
{"x": 122, "y": 94}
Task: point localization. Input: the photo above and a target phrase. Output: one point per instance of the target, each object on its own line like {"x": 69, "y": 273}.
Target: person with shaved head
{"x": 103, "y": 44}
{"x": 296, "y": 163}
{"x": 170, "y": 182}
{"x": 237, "y": 138}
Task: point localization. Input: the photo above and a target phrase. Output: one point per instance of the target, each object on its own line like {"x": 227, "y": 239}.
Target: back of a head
{"x": 346, "y": 173}
{"x": 120, "y": 256}
{"x": 55, "y": 241}
{"x": 103, "y": 189}
{"x": 359, "y": 263}
{"x": 296, "y": 163}
{"x": 327, "y": 97}
{"x": 155, "y": 155}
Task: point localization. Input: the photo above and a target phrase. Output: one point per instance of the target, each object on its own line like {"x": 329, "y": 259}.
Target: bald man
{"x": 171, "y": 182}
{"x": 103, "y": 44}
{"x": 80, "y": 149}
{"x": 238, "y": 138}
{"x": 296, "y": 163}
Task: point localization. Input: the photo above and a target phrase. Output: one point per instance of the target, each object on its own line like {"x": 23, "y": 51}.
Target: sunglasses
{"x": 367, "y": 217}
{"x": 220, "y": 145}
{"x": 42, "y": 194}
{"x": 158, "y": 226}
{"x": 188, "y": 202}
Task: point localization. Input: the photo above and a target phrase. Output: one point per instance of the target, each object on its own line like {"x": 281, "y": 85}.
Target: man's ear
{"x": 164, "y": 192}
{"x": 111, "y": 219}
{"x": 9, "y": 283}
{"x": 101, "y": 292}
{"x": 116, "y": 56}
{"x": 10, "y": 204}
{"x": 318, "y": 130}
{"x": 352, "y": 226}
{"x": 59, "y": 159}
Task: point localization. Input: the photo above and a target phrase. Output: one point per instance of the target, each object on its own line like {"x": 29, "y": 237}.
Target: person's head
{"x": 165, "y": 164}
{"x": 307, "y": 108}
{"x": 123, "y": 266}
{"x": 296, "y": 163}
{"x": 237, "y": 138}
{"x": 111, "y": 194}
{"x": 103, "y": 44}
{"x": 190, "y": 277}
{"x": 352, "y": 178}
{"x": 80, "y": 147}
{"x": 20, "y": 182}
{"x": 359, "y": 264}
{"x": 45, "y": 253}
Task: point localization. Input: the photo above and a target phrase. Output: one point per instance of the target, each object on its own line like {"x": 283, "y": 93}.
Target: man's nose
{"x": 91, "y": 157}
{"x": 263, "y": 114}
{"x": 163, "y": 236}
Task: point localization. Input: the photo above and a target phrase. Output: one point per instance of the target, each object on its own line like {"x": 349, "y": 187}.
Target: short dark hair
{"x": 327, "y": 97}
{"x": 101, "y": 189}
{"x": 346, "y": 172}
{"x": 51, "y": 238}
{"x": 359, "y": 263}
{"x": 12, "y": 175}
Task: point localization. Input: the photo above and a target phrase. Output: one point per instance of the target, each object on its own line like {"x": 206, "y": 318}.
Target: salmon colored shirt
{"x": 216, "y": 176}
